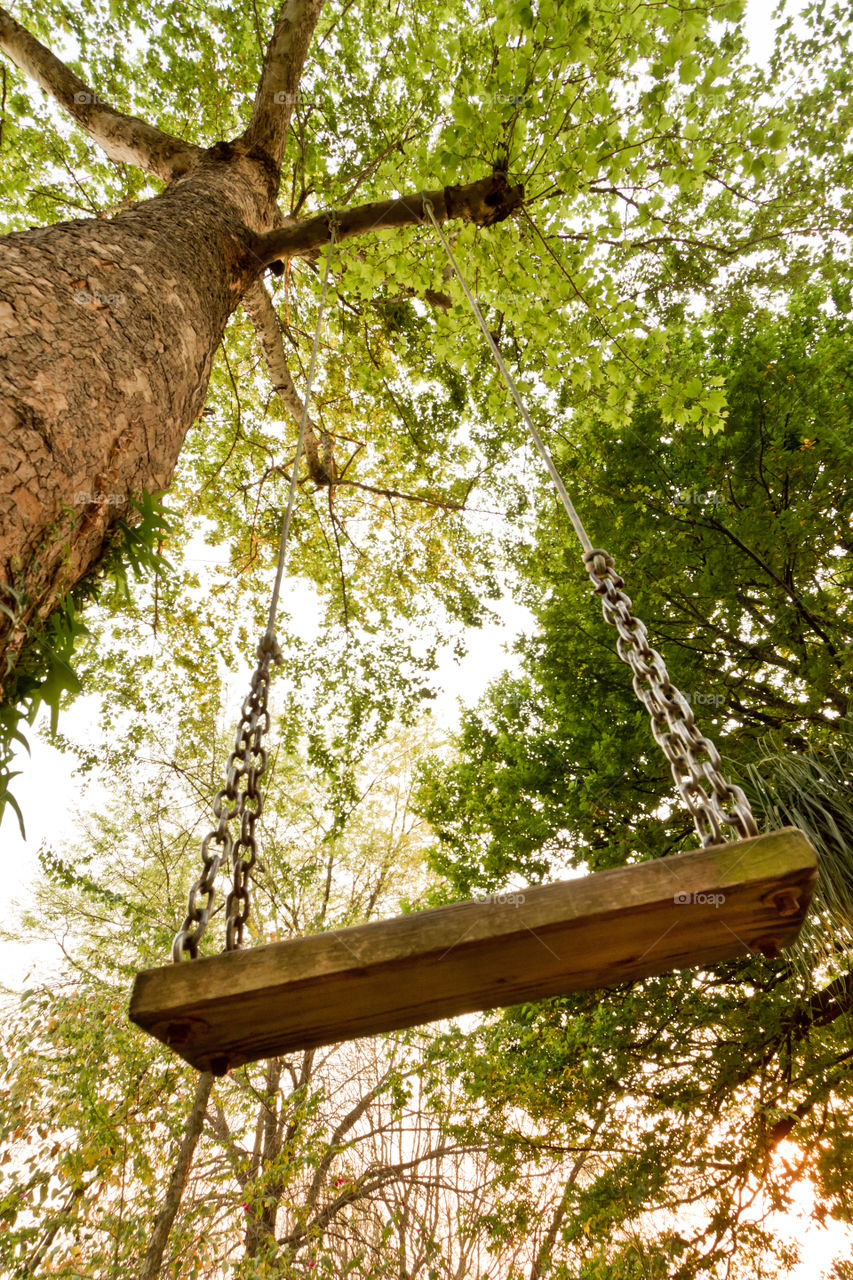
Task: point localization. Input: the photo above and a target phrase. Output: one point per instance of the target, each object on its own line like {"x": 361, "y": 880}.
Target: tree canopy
{"x": 657, "y": 170}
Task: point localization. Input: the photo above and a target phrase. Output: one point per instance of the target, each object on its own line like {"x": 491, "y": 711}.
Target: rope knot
{"x": 598, "y": 562}
{"x": 268, "y": 644}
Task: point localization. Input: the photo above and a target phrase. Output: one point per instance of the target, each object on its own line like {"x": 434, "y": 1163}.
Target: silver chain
{"x": 694, "y": 760}
{"x": 242, "y": 800}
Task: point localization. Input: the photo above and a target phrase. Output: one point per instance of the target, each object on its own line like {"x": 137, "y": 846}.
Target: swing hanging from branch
{"x": 720, "y": 901}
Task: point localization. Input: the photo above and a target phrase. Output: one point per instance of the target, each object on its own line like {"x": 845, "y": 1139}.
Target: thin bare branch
{"x": 259, "y": 308}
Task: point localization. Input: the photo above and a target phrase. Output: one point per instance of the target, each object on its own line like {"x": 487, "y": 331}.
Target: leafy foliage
{"x": 42, "y": 673}
{"x": 735, "y": 545}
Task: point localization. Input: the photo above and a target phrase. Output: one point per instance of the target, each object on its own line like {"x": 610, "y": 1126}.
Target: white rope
{"x": 300, "y": 440}
{"x": 535, "y": 436}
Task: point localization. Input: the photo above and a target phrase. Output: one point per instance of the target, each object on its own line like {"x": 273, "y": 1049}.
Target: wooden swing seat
{"x": 631, "y": 922}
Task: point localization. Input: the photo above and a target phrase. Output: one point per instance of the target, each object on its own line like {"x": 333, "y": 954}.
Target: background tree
{"x": 340, "y": 1161}
{"x": 735, "y": 549}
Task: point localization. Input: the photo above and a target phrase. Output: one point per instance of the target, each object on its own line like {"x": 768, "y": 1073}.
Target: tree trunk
{"x": 153, "y": 1260}
{"x": 260, "y": 1227}
{"x": 109, "y": 329}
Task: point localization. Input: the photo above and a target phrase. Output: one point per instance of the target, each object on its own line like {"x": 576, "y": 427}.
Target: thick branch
{"x": 485, "y": 202}
{"x": 152, "y": 1262}
{"x": 260, "y": 310}
{"x": 124, "y": 139}
{"x": 278, "y": 89}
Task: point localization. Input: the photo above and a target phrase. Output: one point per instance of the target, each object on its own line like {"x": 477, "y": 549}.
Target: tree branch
{"x": 485, "y": 202}
{"x": 259, "y": 308}
{"x": 124, "y": 139}
{"x": 370, "y": 1181}
{"x": 445, "y": 504}
{"x": 233, "y": 1153}
{"x": 833, "y": 1001}
{"x": 542, "y": 1261}
{"x": 336, "y": 1142}
{"x": 278, "y": 87}
{"x": 809, "y": 617}
{"x": 820, "y": 1010}
{"x": 152, "y": 1262}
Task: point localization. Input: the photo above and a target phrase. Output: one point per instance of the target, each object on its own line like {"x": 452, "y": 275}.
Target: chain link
{"x": 694, "y": 760}
{"x": 239, "y": 800}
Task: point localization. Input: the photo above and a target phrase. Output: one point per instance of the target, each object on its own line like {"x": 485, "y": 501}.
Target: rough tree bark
{"x": 109, "y": 327}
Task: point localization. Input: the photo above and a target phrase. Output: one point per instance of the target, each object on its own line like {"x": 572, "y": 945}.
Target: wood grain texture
{"x": 626, "y": 923}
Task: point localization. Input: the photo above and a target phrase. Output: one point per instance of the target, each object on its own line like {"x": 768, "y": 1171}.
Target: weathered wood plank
{"x": 629, "y": 922}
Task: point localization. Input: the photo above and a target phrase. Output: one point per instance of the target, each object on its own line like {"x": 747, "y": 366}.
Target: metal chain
{"x": 241, "y": 798}
{"x": 694, "y": 760}
{"x": 249, "y": 760}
